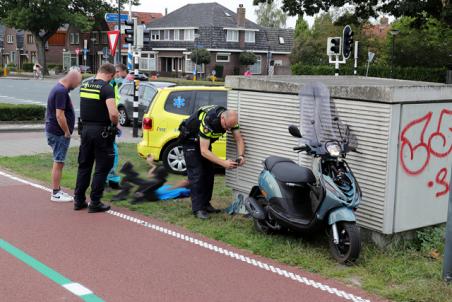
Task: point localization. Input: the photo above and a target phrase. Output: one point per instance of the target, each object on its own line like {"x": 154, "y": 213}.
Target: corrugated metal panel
{"x": 264, "y": 118}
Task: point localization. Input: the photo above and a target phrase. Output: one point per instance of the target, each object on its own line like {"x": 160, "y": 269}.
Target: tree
{"x": 301, "y": 27}
{"x": 364, "y": 9}
{"x": 247, "y": 58}
{"x": 428, "y": 46}
{"x": 269, "y": 15}
{"x": 200, "y": 56}
{"x": 43, "y": 18}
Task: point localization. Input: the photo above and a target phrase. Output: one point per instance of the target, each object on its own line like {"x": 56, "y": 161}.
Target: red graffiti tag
{"x": 420, "y": 150}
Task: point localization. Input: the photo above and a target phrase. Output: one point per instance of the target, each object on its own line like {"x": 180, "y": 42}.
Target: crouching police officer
{"x": 99, "y": 118}
{"x": 198, "y": 133}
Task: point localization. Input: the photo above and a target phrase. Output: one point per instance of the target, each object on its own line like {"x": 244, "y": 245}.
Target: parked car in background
{"x": 146, "y": 93}
{"x": 141, "y": 76}
{"x": 85, "y": 68}
{"x": 170, "y": 106}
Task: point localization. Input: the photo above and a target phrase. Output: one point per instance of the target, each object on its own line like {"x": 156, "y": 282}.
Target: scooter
{"x": 290, "y": 197}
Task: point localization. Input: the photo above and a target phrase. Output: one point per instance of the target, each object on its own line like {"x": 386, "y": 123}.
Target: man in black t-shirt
{"x": 99, "y": 118}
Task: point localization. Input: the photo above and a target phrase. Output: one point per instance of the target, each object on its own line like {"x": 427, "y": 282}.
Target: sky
{"x": 159, "y": 6}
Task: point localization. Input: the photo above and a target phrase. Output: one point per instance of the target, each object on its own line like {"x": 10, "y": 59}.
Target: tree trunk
{"x": 40, "y": 46}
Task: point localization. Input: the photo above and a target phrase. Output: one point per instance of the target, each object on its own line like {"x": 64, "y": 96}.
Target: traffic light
{"x": 333, "y": 46}
{"x": 131, "y": 32}
{"x": 348, "y": 41}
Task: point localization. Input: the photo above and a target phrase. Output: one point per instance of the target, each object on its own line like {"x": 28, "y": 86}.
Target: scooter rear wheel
{"x": 349, "y": 246}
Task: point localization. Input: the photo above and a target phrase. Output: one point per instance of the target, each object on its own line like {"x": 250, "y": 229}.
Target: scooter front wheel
{"x": 349, "y": 246}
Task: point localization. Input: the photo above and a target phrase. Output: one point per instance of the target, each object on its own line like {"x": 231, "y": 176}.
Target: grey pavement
{"x": 30, "y": 143}
{"x": 30, "y": 91}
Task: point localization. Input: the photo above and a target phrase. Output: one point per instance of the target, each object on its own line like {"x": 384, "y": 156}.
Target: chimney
{"x": 241, "y": 11}
{"x": 166, "y": 11}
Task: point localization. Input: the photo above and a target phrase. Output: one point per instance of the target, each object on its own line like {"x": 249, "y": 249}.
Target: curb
{"x": 17, "y": 128}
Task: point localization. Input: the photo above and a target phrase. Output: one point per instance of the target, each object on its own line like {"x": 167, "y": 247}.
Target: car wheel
{"x": 123, "y": 118}
{"x": 173, "y": 159}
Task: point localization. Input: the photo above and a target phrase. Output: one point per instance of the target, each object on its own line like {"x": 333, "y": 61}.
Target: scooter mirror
{"x": 294, "y": 131}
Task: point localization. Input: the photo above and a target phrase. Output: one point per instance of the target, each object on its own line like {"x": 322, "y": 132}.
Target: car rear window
{"x": 219, "y": 98}
{"x": 180, "y": 102}
{"x": 126, "y": 89}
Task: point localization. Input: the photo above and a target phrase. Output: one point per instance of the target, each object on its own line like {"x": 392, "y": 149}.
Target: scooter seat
{"x": 285, "y": 170}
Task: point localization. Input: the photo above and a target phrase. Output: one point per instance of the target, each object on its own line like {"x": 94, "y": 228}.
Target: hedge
{"x": 28, "y": 67}
{"x": 12, "y": 112}
{"x": 405, "y": 73}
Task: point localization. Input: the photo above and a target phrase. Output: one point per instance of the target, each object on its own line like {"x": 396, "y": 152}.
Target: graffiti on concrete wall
{"x": 427, "y": 139}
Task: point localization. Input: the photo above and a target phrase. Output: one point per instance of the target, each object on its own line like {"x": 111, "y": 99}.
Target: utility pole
{"x": 118, "y": 56}
{"x": 447, "y": 269}
{"x": 394, "y": 33}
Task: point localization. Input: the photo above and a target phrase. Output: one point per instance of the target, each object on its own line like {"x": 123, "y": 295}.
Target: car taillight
{"x": 147, "y": 123}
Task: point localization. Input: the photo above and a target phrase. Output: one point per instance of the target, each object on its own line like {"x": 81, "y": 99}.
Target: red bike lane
{"x": 124, "y": 256}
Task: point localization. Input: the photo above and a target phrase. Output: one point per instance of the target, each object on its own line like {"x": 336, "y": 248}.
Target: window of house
{"x": 171, "y": 35}
{"x": 166, "y": 35}
{"x": 176, "y": 35}
{"x": 232, "y": 36}
{"x": 75, "y": 38}
{"x": 181, "y": 34}
{"x": 30, "y": 39}
{"x": 189, "y": 35}
{"x": 155, "y": 35}
{"x": 223, "y": 57}
{"x": 104, "y": 38}
{"x": 281, "y": 40}
{"x": 13, "y": 57}
{"x": 257, "y": 67}
{"x": 10, "y": 39}
{"x": 250, "y": 37}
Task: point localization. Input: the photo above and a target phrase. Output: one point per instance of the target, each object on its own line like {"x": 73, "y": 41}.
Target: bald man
{"x": 198, "y": 133}
{"x": 60, "y": 121}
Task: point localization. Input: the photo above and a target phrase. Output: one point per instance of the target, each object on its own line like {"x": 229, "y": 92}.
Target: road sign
{"x": 113, "y": 17}
{"x": 113, "y": 37}
{"x": 370, "y": 56}
{"x": 77, "y": 51}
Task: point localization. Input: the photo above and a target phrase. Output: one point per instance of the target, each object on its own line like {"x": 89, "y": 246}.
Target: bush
{"x": 404, "y": 73}
{"x": 247, "y": 58}
{"x": 28, "y": 67}
{"x": 11, "y": 67}
{"x": 219, "y": 71}
{"x": 12, "y": 112}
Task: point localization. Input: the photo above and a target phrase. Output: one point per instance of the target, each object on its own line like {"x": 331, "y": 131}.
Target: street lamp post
{"x": 196, "y": 58}
{"x": 393, "y": 33}
{"x": 119, "y": 28}
{"x": 93, "y": 53}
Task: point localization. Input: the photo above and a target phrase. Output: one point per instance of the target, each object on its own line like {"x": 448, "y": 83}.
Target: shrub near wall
{"x": 28, "y": 67}
{"x": 12, "y": 112}
{"x": 437, "y": 75}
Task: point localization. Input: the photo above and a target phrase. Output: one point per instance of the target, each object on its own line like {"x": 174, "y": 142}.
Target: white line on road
{"x": 216, "y": 249}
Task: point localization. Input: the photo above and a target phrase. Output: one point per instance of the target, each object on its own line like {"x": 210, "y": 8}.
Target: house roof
{"x": 280, "y": 45}
{"x": 201, "y": 15}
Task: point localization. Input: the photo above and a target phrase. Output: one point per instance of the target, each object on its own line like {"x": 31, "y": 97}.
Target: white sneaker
{"x": 61, "y": 197}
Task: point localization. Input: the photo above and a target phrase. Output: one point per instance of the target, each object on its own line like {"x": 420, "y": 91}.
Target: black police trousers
{"x": 93, "y": 149}
{"x": 201, "y": 175}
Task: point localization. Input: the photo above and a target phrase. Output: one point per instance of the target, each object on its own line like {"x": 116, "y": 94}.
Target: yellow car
{"x": 169, "y": 107}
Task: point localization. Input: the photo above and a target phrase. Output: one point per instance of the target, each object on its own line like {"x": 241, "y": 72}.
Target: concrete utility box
{"x": 404, "y": 131}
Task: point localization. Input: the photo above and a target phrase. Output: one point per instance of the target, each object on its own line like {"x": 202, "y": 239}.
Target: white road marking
{"x": 77, "y": 289}
{"x": 216, "y": 249}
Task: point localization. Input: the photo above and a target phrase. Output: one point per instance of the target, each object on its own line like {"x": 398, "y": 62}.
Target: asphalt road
{"x": 48, "y": 252}
{"x": 31, "y": 92}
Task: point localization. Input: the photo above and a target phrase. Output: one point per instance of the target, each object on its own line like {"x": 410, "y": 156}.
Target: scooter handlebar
{"x": 301, "y": 148}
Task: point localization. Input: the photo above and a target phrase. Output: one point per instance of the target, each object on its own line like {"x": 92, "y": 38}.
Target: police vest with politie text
{"x": 205, "y": 123}
{"x": 93, "y": 108}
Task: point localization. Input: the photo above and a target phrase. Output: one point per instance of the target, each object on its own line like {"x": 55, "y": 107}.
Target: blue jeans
{"x": 59, "y": 145}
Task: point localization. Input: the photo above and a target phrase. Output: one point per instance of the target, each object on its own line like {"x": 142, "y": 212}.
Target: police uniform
{"x": 205, "y": 123}
{"x": 97, "y": 140}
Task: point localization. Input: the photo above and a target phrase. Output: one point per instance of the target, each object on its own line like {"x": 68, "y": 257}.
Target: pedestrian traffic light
{"x": 348, "y": 41}
{"x": 333, "y": 46}
{"x": 131, "y": 33}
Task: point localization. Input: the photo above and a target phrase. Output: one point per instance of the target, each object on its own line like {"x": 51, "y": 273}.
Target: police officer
{"x": 99, "y": 118}
{"x": 198, "y": 133}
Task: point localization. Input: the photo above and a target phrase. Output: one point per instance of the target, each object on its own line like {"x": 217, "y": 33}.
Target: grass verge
{"x": 409, "y": 271}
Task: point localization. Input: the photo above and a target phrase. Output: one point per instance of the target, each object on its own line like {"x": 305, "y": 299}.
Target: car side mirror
{"x": 294, "y": 131}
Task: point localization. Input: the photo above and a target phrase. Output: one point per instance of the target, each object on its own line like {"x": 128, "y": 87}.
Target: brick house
{"x": 16, "y": 47}
{"x": 223, "y": 33}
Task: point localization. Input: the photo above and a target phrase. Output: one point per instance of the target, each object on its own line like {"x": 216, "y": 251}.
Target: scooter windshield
{"x": 319, "y": 118}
